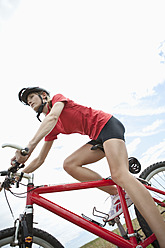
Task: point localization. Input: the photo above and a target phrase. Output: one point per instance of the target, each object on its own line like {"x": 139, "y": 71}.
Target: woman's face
{"x": 34, "y": 101}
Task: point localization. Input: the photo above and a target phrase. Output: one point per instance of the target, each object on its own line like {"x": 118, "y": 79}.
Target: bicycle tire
{"x": 155, "y": 175}
{"x": 40, "y": 238}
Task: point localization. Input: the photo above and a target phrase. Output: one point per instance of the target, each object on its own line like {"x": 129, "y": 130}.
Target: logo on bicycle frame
{"x": 28, "y": 239}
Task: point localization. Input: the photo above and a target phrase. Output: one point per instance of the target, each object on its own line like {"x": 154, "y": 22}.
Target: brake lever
{"x": 6, "y": 184}
{"x": 16, "y": 166}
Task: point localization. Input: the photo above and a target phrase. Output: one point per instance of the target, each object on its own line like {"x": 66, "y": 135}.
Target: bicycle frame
{"x": 33, "y": 197}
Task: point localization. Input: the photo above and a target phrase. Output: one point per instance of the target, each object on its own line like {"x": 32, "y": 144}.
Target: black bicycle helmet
{"x": 23, "y": 95}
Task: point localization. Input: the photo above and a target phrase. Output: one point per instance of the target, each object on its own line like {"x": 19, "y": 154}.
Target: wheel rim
{"x": 157, "y": 179}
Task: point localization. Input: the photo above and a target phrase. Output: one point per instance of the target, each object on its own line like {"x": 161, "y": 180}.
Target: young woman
{"x": 65, "y": 116}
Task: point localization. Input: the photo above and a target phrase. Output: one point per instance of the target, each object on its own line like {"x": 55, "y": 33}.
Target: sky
{"x": 109, "y": 55}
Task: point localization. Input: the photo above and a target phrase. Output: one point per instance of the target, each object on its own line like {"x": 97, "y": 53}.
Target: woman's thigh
{"x": 84, "y": 155}
{"x": 117, "y": 157}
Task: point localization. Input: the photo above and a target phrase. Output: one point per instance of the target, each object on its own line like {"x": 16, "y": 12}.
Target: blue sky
{"x": 145, "y": 126}
{"x": 104, "y": 54}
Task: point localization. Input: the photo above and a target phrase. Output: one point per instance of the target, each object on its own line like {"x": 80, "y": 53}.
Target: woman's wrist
{"x": 31, "y": 146}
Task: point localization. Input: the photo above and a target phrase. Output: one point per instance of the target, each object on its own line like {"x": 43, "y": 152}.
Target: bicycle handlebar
{"x": 24, "y": 151}
{"x": 12, "y": 146}
{"x": 10, "y": 178}
{"x": 12, "y": 172}
{"x": 15, "y": 165}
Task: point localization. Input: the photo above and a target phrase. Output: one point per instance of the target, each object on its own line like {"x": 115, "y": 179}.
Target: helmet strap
{"x": 40, "y": 109}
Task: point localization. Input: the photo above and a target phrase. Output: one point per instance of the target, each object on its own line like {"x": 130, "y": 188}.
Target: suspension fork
{"x": 23, "y": 235}
{"x": 27, "y": 218}
{"x": 24, "y": 225}
{"x": 27, "y": 226}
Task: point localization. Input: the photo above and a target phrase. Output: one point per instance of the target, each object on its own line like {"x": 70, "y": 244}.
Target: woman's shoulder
{"x": 59, "y": 98}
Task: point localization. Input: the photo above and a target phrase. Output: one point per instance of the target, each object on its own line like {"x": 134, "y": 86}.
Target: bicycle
{"x": 23, "y": 234}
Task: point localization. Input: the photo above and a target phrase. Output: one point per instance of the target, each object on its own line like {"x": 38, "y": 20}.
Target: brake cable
{"x": 16, "y": 195}
{"x": 8, "y": 204}
{"x": 19, "y": 194}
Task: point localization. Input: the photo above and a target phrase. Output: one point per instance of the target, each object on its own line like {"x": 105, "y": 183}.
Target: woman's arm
{"x": 47, "y": 125}
{"x": 45, "y": 128}
{"x": 37, "y": 162}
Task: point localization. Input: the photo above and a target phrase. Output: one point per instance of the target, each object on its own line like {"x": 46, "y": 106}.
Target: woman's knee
{"x": 120, "y": 177}
{"x": 67, "y": 165}
{"x": 70, "y": 165}
{"x": 116, "y": 177}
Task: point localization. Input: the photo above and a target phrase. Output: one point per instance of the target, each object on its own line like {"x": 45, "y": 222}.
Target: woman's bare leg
{"x": 116, "y": 154}
{"x": 73, "y": 165}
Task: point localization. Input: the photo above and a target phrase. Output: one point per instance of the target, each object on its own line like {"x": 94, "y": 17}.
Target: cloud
{"x": 7, "y": 8}
{"x": 137, "y": 110}
{"x": 162, "y": 51}
{"x": 131, "y": 147}
{"x": 154, "y": 154}
{"x": 148, "y": 104}
{"x": 155, "y": 125}
{"x": 155, "y": 128}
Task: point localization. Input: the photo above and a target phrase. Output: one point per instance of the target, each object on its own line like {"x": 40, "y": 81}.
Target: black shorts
{"x": 113, "y": 129}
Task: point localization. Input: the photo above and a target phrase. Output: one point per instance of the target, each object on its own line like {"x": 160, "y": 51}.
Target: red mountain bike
{"x": 24, "y": 235}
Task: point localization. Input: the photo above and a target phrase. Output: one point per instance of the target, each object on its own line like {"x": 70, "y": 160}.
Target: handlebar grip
{"x": 12, "y": 146}
{"x": 24, "y": 151}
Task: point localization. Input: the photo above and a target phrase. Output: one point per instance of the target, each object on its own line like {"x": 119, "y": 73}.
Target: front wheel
{"x": 40, "y": 239}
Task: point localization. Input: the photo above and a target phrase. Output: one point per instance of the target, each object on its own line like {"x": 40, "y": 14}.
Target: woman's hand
{"x": 19, "y": 158}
